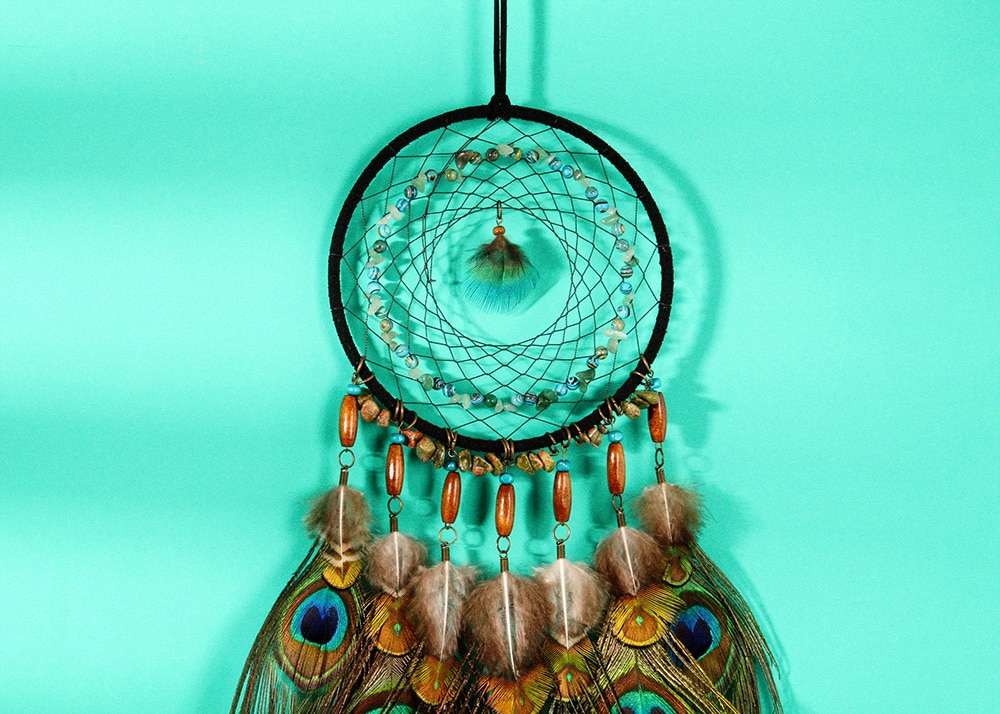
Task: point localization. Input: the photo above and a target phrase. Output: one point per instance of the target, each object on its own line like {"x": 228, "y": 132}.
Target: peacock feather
{"x": 714, "y": 637}
{"x": 307, "y": 653}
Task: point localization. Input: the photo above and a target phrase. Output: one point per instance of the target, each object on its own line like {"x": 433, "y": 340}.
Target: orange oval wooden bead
{"x": 394, "y": 470}
{"x": 451, "y": 497}
{"x": 562, "y": 496}
{"x": 348, "y": 421}
{"x": 658, "y": 420}
{"x": 616, "y": 468}
{"x": 505, "y": 510}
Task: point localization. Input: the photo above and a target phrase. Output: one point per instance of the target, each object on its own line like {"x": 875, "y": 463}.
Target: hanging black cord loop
{"x": 499, "y": 106}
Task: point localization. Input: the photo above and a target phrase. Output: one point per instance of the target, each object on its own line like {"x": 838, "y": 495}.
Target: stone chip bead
{"x": 427, "y": 382}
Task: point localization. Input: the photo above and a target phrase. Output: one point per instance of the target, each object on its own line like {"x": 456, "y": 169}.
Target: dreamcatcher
{"x": 501, "y": 281}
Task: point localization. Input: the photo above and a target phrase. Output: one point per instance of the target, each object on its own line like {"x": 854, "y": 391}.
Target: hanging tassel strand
{"x": 507, "y": 617}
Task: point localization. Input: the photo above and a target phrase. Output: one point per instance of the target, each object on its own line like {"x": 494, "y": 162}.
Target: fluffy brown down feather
{"x": 670, "y": 513}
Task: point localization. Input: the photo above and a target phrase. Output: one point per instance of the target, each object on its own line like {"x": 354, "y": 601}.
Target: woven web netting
{"x": 573, "y": 340}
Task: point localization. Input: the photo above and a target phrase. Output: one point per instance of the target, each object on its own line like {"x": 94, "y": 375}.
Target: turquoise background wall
{"x": 169, "y": 177}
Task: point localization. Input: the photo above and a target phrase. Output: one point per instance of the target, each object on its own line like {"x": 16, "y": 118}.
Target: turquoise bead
{"x": 622, "y": 245}
{"x": 623, "y": 311}
{"x": 402, "y": 351}
{"x": 449, "y": 390}
{"x": 591, "y": 193}
{"x": 615, "y": 436}
{"x": 380, "y": 246}
{"x": 402, "y": 204}
{"x": 531, "y": 156}
{"x": 573, "y": 383}
{"x": 374, "y": 287}
{"x": 477, "y": 399}
{"x": 561, "y": 390}
{"x": 530, "y": 398}
{"x": 567, "y": 171}
{"x": 517, "y": 400}
{"x": 562, "y": 465}
{"x": 451, "y": 465}
{"x": 619, "y": 229}
{"x": 507, "y": 477}
{"x": 398, "y": 438}
{"x": 410, "y": 192}
{"x": 625, "y": 288}
{"x": 555, "y": 163}
{"x": 411, "y": 361}
{"x": 384, "y": 230}
{"x": 601, "y": 205}
{"x": 655, "y": 383}
{"x": 354, "y": 389}
{"x": 373, "y": 273}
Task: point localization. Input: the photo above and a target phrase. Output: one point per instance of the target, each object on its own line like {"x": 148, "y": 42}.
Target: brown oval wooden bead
{"x": 348, "y": 421}
{"x": 394, "y": 470}
{"x": 505, "y": 510}
{"x": 658, "y": 420}
{"x": 562, "y": 496}
{"x": 451, "y": 497}
{"x": 616, "y": 468}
